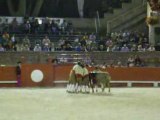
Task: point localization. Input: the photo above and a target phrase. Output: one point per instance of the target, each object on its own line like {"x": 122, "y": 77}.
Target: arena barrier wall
{"x": 57, "y": 75}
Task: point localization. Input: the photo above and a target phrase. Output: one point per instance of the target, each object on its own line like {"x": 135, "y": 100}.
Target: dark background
{"x": 54, "y": 8}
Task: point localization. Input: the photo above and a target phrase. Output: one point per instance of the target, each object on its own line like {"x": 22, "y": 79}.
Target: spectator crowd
{"x": 66, "y": 40}
{"x": 113, "y": 42}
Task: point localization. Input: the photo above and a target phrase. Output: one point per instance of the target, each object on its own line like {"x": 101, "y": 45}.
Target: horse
{"x": 78, "y": 80}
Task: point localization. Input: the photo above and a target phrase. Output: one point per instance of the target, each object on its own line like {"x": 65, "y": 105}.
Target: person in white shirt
{"x": 1, "y": 48}
{"x": 151, "y": 48}
{"x": 46, "y": 43}
{"x": 37, "y": 48}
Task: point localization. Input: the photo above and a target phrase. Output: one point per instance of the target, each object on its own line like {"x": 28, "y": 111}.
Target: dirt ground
{"x": 56, "y": 104}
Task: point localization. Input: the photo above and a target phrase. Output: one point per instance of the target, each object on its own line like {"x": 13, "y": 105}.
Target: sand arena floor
{"x": 56, "y": 104}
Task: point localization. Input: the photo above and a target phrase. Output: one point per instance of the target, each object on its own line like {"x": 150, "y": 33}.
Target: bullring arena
{"x": 113, "y": 42}
{"x": 48, "y": 99}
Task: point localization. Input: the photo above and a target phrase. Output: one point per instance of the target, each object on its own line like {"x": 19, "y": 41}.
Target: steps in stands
{"x": 127, "y": 19}
{"x": 132, "y": 22}
{"x": 125, "y": 7}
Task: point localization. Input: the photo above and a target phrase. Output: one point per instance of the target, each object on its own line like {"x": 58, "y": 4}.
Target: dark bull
{"x": 100, "y": 79}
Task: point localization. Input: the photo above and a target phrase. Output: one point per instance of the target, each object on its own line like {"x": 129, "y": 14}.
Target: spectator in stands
{"x": 46, "y": 24}
{"x": 46, "y": 43}
{"x": 112, "y": 65}
{"x": 70, "y": 27}
{"x": 32, "y": 25}
{"x": 68, "y": 47}
{"x": 92, "y": 37}
{"x": 26, "y": 41}
{"x": 88, "y": 42}
{"x": 91, "y": 41}
{"x": 6, "y": 40}
{"x": 93, "y": 47}
{"x": 1, "y": 40}
{"x": 27, "y": 27}
{"x": 85, "y": 36}
{"x": 89, "y": 47}
{"x": 84, "y": 48}
{"x": 37, "y": 48}
{"x": 61, "y": 42}
{"x": 78, "y": 48}
{"x": 55, "y": 61}
{"x": 131, "y": 61}
{"x": 63, "y": 47}
{"x": 140, "y": 48}
{"x": 101, "y": 48}
{"x": 14, "y": 25}
{"x": 35, "y": 26}
{"x": 6, "y": 36}
{"x": 13, "y": 42}
{"x": 115, "y": 48}
{"x": 64, "y": 26}
{"x": 59, "y": 24}
{"x": 87, "y": 60}
{"x": 52, "y": 47}
{"x": 133, "y": 48}
{"x": 49, "y": 27}
{"x": 138, "y": 61}
{"x": 109, "y": 48}
{"x": 5, "y": 25}
{"x": 103, "y": 66}
{"x": 125, "y": 48}
{"x": 1, "y": 48}
{"x": 13, "y": 39}
{"x": 109, "y": 43}
{"x": 26, "y": 47}
{"x": 119, "y": 64}
{"x": 83, "y": 41}
{"x": 75, "y": 41}
{"x": 19, "y": 47}
{"x": 151, "y": 48}
{"x": 54, "y": 27}
{"x": 1, "y": 26}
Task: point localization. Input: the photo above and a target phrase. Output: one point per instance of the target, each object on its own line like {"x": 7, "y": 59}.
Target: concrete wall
{"x": 11, "y": 58}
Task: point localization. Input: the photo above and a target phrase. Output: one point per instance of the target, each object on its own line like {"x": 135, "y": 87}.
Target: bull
{"x": 99, "y": 78}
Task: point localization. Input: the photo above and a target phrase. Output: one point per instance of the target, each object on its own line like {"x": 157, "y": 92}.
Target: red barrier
{"x": 46, "y": 69}
{"x": 61, "y": 72}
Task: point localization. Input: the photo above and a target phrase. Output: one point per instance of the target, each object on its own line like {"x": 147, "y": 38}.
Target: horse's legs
{"x": 92, "y": 87}
{"x": 96, "y": 87}
{"x": 109, "y": 87}
{"x": 102, "y": 87}
{"x": 76, "y": 87}
{"x": 79, "y": 80}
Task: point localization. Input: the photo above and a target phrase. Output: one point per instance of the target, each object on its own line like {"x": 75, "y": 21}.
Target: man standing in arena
{"x": 18, "y": 72}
